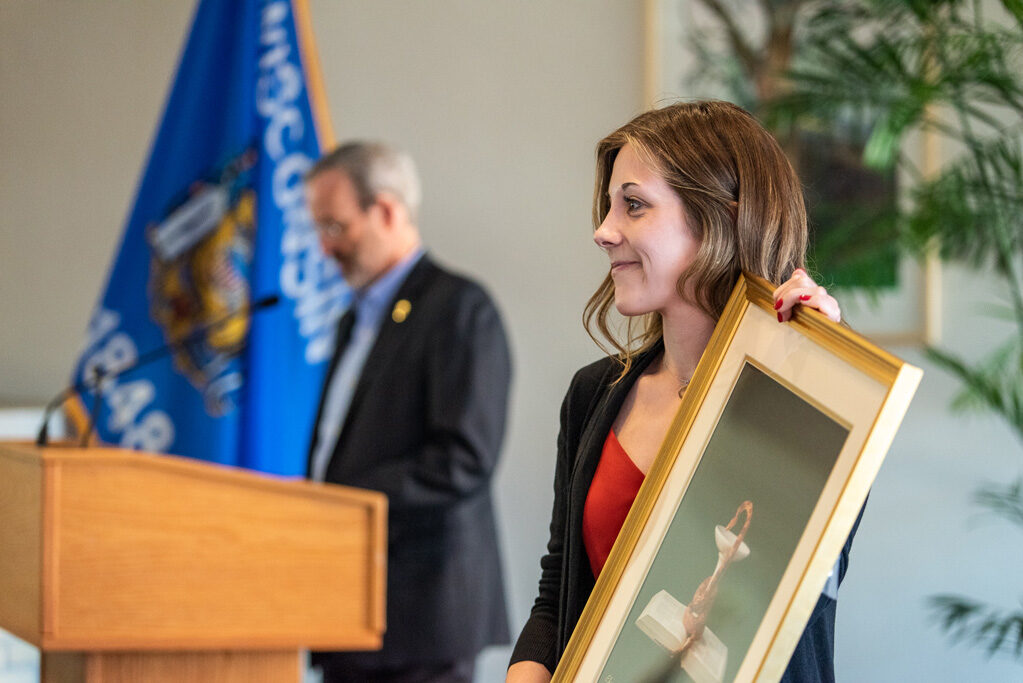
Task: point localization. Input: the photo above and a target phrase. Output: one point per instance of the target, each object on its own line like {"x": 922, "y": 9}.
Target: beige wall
{"x": 501, "y": 103}
{"x": 81, "y": 87}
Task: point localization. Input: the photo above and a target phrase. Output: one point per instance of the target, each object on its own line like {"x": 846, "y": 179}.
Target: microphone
{"x": 100, "y": 375}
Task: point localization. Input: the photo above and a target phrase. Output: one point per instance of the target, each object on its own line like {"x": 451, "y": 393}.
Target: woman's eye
{"x": 633, "y": 204}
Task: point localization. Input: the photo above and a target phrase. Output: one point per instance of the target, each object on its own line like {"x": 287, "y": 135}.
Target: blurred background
{"x": 501, "y": 104}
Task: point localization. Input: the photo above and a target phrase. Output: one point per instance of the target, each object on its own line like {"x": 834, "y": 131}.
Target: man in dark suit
{"x": 413, "y": 405}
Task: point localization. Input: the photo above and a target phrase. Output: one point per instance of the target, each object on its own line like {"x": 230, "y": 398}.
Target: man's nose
{"x": 324, "y": 240}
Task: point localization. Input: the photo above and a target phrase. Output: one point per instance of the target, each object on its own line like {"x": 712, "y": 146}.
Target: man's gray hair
{"x": 374, "y": 167}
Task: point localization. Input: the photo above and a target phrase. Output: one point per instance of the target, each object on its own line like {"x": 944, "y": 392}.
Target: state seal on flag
{"x": 201, "y": 252}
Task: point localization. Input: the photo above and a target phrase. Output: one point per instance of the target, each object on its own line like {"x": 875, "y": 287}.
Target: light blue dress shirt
{"x": 370, "y": 306}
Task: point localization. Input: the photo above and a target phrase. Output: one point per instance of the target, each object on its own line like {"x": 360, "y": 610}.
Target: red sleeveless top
{"x": 612, "y": 491}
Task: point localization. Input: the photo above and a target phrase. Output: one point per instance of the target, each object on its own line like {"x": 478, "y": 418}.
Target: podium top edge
{"x": 66, "y": 454}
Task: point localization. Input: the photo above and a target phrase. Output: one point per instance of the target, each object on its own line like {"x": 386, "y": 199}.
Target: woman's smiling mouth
{"x": 620, "y": 265}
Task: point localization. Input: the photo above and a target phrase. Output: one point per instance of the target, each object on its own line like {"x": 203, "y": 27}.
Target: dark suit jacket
{"x": 566, "y": 580}
{"x": 425, "y": 427}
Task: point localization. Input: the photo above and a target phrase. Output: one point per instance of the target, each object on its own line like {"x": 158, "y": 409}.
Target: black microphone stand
{"x": 44, "y": 432}
{"x": 100, "y": 373}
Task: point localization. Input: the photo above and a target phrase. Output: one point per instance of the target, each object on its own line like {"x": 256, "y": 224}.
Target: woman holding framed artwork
{"x": 687, "y": 197}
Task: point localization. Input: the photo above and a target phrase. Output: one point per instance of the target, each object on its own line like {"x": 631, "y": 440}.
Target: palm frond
{"x": 977, "y": 623}
{"x": 899, "y": 57}
{"x": 974, "y": 208}
{"x": 1003, "y": 500}
{"x": 995, "y": 383}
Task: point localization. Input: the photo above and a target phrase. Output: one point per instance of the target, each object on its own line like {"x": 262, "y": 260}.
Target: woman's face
{"x": 646, "y": 237}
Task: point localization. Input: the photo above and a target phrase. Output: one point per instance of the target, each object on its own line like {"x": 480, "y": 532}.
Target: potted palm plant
{"x": 953, "y": 68}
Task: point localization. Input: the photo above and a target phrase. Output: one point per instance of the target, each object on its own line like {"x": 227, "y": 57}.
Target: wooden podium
{"x": 122, "y": 566}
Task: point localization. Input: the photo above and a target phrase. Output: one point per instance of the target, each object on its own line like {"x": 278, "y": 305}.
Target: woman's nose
{"x": 606, "y": 236}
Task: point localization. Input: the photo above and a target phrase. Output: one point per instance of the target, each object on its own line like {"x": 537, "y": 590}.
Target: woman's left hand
{"x": 801, "y": 289}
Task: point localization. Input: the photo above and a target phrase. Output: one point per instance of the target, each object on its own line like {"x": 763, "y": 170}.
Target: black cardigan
{"x": 566, "y": 580}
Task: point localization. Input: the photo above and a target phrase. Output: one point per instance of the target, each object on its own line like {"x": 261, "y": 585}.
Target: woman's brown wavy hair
{"x": 741, "y": 198}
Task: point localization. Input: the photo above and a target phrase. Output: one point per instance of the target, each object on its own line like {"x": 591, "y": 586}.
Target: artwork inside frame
{"x": 692, "y": 51}
{"x": 756, "y": 487}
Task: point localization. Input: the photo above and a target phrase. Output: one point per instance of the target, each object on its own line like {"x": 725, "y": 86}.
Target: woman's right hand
{"x": 528, "y": 672}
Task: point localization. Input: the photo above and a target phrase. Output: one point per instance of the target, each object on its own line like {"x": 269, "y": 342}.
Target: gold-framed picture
{"x": 739, "y": 522}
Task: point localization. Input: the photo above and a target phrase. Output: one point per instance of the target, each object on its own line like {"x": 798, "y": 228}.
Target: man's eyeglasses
{"x": 330, "y": 229}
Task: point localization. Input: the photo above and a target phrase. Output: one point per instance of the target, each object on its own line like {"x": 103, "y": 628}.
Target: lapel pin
{"x": 401, "y": 310}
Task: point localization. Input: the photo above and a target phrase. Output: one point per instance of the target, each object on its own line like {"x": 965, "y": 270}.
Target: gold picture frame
{"x": 791, "y": 420}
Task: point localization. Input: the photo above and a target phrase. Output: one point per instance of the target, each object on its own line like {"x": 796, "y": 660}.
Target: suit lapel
{"x": 331, "y": 367}
{"x": 392, "y": 333}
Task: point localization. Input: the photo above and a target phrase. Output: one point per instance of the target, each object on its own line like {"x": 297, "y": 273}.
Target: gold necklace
{"x": 683, "y": 382}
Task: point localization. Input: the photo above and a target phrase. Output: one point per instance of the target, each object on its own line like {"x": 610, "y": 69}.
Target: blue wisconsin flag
{"x": 220, "y": 221}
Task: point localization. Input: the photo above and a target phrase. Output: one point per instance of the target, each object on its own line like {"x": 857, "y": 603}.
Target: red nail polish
{"x": 780, "y": 318}
{"x": 777, "y": 304}
{"x": 804, "y": 297}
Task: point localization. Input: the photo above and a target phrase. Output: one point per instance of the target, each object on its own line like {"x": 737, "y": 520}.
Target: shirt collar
{"x": 378, "y": 294}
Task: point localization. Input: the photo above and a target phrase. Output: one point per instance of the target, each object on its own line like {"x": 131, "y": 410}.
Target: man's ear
{"x": 392, "y": 210}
